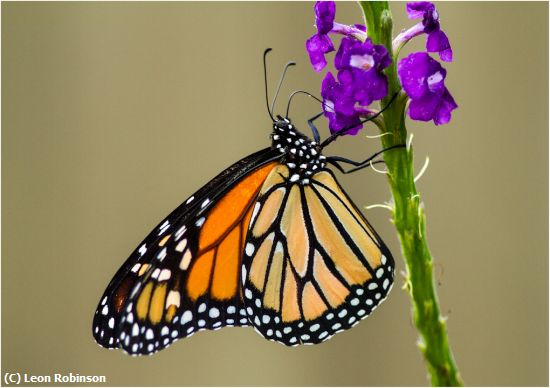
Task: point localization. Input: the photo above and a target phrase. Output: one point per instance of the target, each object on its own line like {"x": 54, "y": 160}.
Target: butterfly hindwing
{"x": 313, "y": 266}
{"x": 185, "y": 275}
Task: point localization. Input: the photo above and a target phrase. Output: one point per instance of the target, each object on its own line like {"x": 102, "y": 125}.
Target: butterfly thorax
{"x": 302, "y": 155}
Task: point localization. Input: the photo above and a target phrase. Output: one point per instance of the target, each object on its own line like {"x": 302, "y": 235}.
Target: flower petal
{"x": 324, "y": 16}
{"x": 423, "y": 79}
{"x": 447, "y": 105}
{"x": 416, "y": 10}
{"x": 414, "y": 71}
{"x": 439, "y": 43}
{"x": 317, "y": 46}
{"x": 424, "y": 109}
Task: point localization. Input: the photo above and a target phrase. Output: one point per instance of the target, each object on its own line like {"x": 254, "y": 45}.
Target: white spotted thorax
{"x": 303, "y": 155}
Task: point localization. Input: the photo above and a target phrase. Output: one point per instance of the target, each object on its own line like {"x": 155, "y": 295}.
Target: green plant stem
{"x": 408, "y": 215}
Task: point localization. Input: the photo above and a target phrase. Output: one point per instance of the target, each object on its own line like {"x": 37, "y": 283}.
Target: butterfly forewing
{"x": 185, "y": 275}
{"x": 313, "y": 266}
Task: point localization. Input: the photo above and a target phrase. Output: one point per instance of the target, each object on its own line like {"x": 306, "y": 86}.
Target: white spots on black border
{"x": 162, "y": 254}
{"x": 186, "y": 317}
{"x": 164, "y": 227}
{"x": 200, "y": 221}
{"x": 386, "y": 283}
{"x": 181, "y": 245}
{"x": 164, "y": 275}
{"x": 142, "y": 250}
{"x": 249, "y": 249}
{"x": 214, "y": 312}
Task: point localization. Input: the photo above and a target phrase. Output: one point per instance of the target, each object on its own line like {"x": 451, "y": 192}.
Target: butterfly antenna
{"x": 280, "y": 84}
{"x": 335, "y": 135}
{"x": 301, "y": 92}
{"x": 265, "y": 79}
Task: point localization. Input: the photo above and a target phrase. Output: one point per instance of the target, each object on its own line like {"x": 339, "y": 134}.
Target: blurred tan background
{"x": 113, "y": 113}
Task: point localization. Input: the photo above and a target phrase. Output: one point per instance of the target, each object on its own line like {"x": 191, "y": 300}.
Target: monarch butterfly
{"x": 272, "y": 242}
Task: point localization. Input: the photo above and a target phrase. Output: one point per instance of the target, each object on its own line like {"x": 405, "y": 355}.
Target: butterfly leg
{"x": 314, "y": 130}
{"x": 336, "y": 160}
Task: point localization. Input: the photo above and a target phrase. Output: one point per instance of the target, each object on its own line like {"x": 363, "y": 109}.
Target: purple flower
{"x": 317, "y": 46}
{"x": 324, "y": 16}
{"x": 437, "y": 41}
{"x": 339, "y": 106}
{"x": 423, "y": 79}
{"x": 360, "y": 82}
{"x": 360, "y": 68}
{"x": 320, "y": 44}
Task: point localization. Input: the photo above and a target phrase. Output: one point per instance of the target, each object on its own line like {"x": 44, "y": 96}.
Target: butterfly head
{"x": 302, "y": 155}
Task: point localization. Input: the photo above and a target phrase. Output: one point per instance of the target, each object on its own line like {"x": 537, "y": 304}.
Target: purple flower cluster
{"x": 360, "y": 64}
{"x": 320, "y": 44}
{"x": 422, "y": 77}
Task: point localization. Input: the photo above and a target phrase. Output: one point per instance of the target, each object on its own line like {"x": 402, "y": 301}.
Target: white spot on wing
{"x": 162, "y": 254}
{"x": 164, "y": 275}
{"x": 185, "y": 260}
{"x": 142, "y": 250}
{"x": 249, "y": 250}
{"x": 255, "y": 212}
{"x": 181, "y": 245}
{"x": 186, "y": 317}
{"x": 315, "y": 327}
{"x": 164, "y": 227}
{"x": 202, "y": 308}
{"x": 173, "y": 298}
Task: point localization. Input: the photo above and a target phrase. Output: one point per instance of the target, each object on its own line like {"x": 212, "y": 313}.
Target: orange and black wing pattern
{"x": 185, "y": 276}
{"x": 313, "y": 266}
